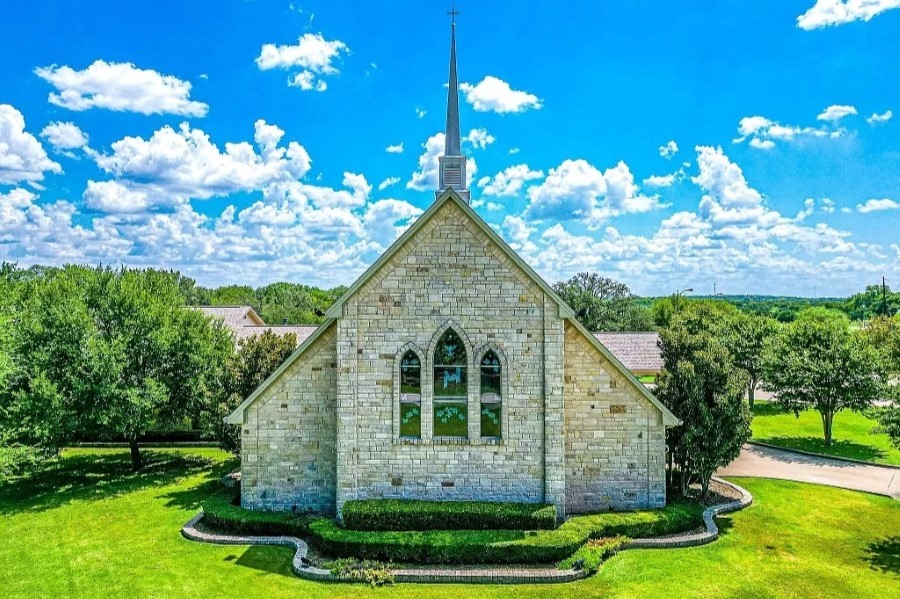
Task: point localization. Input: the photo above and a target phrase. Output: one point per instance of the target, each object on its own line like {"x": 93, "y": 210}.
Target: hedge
{"x": 457, "y": 546}
{"x": 409, "y": 514}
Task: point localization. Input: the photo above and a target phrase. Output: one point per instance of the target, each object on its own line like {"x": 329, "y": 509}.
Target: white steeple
{"x": 452, "y": 172}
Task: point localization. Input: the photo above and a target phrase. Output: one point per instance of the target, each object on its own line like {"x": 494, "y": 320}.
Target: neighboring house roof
{"x": 639, "y": 352}
{"x": 301, "y": 331}
{"x": 336, "y": 311}
{"x": 232, "y": 315}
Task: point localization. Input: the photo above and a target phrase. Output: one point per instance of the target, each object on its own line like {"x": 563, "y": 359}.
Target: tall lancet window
{"x": 491, "y": 395}
{"x": 451, "y": 417}
{"x": 410, "y": 396}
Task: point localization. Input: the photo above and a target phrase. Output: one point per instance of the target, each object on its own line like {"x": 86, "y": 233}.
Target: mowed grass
{"x": 852, "y": 435}
{"x": 87, "y": 527}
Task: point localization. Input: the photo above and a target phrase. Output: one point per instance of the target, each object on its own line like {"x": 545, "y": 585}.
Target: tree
{"x": 876, "y": 300}
{"x": 257, "y": 357}
{"x": 818, "y": 363}
{"x": 703, "y": 388}
{"x": 747, "y": 338}
{"x": 109, "y": 354}
{"x": 603, "y": 304}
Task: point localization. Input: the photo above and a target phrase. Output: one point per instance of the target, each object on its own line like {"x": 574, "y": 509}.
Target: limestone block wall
{"x": 449, "y": 274}
{"x": 288, "y": 438}
{"x": 615, "y": 439}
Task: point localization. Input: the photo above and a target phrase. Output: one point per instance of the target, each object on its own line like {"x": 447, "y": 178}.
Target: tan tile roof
{"x": 638, "y": 352}
{"x": 232, "y": 315}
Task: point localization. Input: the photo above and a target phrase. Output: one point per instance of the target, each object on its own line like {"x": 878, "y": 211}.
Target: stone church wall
{"x": 615, "y": 440}
{"x": 288, "y": 437}
{"x": 449, "y": 274}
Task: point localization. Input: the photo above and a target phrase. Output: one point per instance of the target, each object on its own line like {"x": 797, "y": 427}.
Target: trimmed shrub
{"x": 223, "y": 511}
{"x": 409, "y": 514}
{"x": 592, "y": 554}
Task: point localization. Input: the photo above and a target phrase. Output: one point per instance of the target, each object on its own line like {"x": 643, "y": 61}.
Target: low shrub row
{"x": 592, "y": 554}
{"x": 459, "y": 546}
{"x": 409, "y": 514}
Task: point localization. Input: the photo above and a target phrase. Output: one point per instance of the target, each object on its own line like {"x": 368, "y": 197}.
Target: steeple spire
{"x": 452, "y": 171}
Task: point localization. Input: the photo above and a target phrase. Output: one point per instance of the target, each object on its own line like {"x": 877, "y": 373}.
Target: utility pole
{"x": 884, "y": 306}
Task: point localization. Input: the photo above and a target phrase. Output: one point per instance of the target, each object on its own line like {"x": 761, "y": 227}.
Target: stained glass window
{"x": 490, "y": 395}
{"x": 451, "y": 417}
{"x": 410, "y": 395}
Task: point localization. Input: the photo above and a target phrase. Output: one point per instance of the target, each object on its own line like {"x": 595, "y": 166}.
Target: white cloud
{"x": 578, "y": 190}
{"x": 514, "y": 151}
{"x": 495, "y": 95}
{"x": 668, "y": 150}
{"x": 421, "y": 112}
{"x": 387, "y": 219}
{"x": 388, "y": 182}
{"x": 762, "y": 144}
{"x": 836, "y": 112}
{"x": 877, "y": 119}
{"x": 186, "y": 163}
{"x": 395, "y": 148}
{"x": 313, "y": 55}
{"x": 509, "y": 182}
{"x": 825, "y": 13}
{"x": 660, "y": 180}
{"x": 479, "y": 138}
{"x": 426, "y": 176}
{"x": 876, "y": 205}
{"x": 121, "y": 87}
{"x": 64, "y": 136}
{"x": 120, "y": 198}
{"x": 827, "y": 206}
{"x": 22, "y": 157}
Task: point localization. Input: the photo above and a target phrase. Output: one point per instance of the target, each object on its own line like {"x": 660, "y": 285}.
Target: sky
{"x": 725, "y": 146}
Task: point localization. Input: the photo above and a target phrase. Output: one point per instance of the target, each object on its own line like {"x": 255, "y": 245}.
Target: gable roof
{"x": 300, "y": 331}
{"x": 232, "y": 315}
{"x": 336, "y": 311}
{"x": 639, "y": 352}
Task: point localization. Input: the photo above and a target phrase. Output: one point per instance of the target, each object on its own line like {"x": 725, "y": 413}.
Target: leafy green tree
{"x": 874, "y": 301}
{"x": 110, "y": 354}
{"x": 256, "y": 358}
{"x": 234, "y": 295}
{"x": 603, "y": 304}
{"x": 703, "y": 388}
{"x": 747, "y": 339}
{"x": 295, "y": 304}
{"x": 818, "y": 363}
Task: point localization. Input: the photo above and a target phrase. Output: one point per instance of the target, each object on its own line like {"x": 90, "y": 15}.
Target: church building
{"x": 451, "y": 371}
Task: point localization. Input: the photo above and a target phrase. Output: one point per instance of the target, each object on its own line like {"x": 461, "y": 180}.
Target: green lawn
{"x": 89, "y": 528}
{"x": 852, "y": 434}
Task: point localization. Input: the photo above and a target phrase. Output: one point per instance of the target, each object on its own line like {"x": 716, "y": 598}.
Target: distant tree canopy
{"x": 278, "y": 303}
{"x": 603, "y": 304}
{"x": 874, "y": 301}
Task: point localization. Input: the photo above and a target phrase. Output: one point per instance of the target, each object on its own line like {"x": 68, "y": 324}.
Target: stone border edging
{"x": 709, "y": 518}
{"x": 473, "y": 574}
{"x": 822, "y": 455}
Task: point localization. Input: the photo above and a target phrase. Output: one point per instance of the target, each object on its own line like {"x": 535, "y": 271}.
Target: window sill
{"x": 495, "y": 441}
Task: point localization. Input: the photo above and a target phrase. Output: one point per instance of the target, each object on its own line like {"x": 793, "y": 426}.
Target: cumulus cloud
{"x": 836, "y": 112}
{"x": 121, "y": 87}
{"x": 388, "y": 182}
{"x": 387, "y": 219}
{"x": 313, "y": 56}
{"x": 668, "y": 150}
{"x": 395, "y": 148}
{"x": 479, "y": 138}
{"x": 877, "y": 205}
{"x": 508, "y": 182}
{"x": 578, "y": 190}
{"x": 64, "y": 137}
{"x": 877, "y": 119}
{"x": 22, "y": 157}
{"x": 425, "y": 178}
{"x": 826, "y": 13}
{"x": 495, "y": 95}
{"x": 186, "y": 163}
{"x": 421, "y": 112}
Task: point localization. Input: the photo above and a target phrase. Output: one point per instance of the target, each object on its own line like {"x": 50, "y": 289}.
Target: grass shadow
{"x": 839, "y": 448}
{"x": 272, "y": 560}
{"x": 884, "y": 555}
{"x": 768, "y": 408}
{"x": 724, "y": 523}
{"x": 94, "y": 477}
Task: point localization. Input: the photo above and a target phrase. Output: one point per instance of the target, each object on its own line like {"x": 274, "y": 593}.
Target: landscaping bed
{"x": 457, "y": 547}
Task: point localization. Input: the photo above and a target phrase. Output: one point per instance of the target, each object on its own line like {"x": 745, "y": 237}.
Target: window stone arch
{"x": 402, "y": 401}
{"x": 453, "y": 402}
{"x": 494, "y": 399}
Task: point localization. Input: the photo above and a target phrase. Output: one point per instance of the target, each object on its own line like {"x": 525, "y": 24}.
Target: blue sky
{"x": 748, "y": 144}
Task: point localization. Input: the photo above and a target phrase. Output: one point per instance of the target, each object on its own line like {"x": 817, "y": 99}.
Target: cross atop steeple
{"x": 452, "y": 172}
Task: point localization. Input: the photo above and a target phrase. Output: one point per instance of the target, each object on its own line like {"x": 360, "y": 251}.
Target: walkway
{"x": 767, "y": 462}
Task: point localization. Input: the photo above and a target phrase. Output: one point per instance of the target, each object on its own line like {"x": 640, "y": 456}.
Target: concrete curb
{"x": 473, "y": 574}
{"x": 822, "y": 455}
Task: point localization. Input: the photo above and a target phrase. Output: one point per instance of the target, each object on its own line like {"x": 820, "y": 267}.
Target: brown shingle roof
{"x": 638, "y": 352}
{"x": 232, "y": 315}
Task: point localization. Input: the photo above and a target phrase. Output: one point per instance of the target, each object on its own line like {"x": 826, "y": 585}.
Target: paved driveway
{"x": 765, "y": 462}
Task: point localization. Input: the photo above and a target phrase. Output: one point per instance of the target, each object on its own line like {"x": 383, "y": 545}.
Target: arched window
{"x": 410, "y": 396}
{"x": 490, "y": 395}
{"x": 451, "y": 417}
